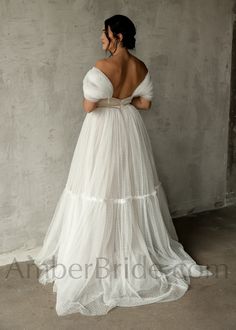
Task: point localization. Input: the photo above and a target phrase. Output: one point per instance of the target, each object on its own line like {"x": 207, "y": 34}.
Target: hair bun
{"x": 122, "y": 24}
{"x": 129, "y": 42}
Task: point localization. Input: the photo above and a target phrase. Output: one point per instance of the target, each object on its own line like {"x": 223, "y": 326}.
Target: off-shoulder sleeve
{"x": 95, "y": 85}
{"x": 146, "y": 88}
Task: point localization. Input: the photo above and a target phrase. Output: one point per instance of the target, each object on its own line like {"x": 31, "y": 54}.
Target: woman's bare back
{"x": 125, "y": 74}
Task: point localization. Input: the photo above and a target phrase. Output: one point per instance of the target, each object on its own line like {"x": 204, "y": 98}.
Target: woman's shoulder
{"x": 109, "y": 65}
{"x": 139, "y": 63}
{"x": 110, "y": 60}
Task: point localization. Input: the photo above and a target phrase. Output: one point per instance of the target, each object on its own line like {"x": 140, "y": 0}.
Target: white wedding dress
{"x": 111, "y": 241}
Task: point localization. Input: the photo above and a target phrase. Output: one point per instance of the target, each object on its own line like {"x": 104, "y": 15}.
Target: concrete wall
{"x": 46, "y": 49}
{"x": 191, "y": 65}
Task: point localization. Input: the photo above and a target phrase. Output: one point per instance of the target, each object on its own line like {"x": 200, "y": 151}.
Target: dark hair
{"x": 121, "y": 24}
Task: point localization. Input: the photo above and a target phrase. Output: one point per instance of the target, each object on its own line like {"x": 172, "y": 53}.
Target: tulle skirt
{"x": 111, "y": 241}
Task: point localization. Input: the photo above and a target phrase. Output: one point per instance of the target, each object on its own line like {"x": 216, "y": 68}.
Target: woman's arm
{"x": 138, "y": 101}
{"x": 89, "y": 105}
{"x": 141, "y": 103}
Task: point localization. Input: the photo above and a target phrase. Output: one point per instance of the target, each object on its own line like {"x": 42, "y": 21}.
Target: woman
{"x": 112, "y": 241}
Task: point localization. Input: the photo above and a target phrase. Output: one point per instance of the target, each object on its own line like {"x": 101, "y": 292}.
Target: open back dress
{"x": 111, "y": 241}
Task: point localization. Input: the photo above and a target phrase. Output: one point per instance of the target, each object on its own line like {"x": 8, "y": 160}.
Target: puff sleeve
{"x": 95, "y": 86}
{"x": 146, "y": 88}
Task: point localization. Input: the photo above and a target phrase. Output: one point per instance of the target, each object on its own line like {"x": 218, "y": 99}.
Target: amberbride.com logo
{"x": 102, "y": 268}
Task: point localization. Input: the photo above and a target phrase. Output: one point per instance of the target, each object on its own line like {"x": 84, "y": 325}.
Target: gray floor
{"x": 210, "y": 303}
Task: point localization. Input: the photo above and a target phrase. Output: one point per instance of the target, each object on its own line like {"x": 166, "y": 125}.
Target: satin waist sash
{"x": 114, "y": 102}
